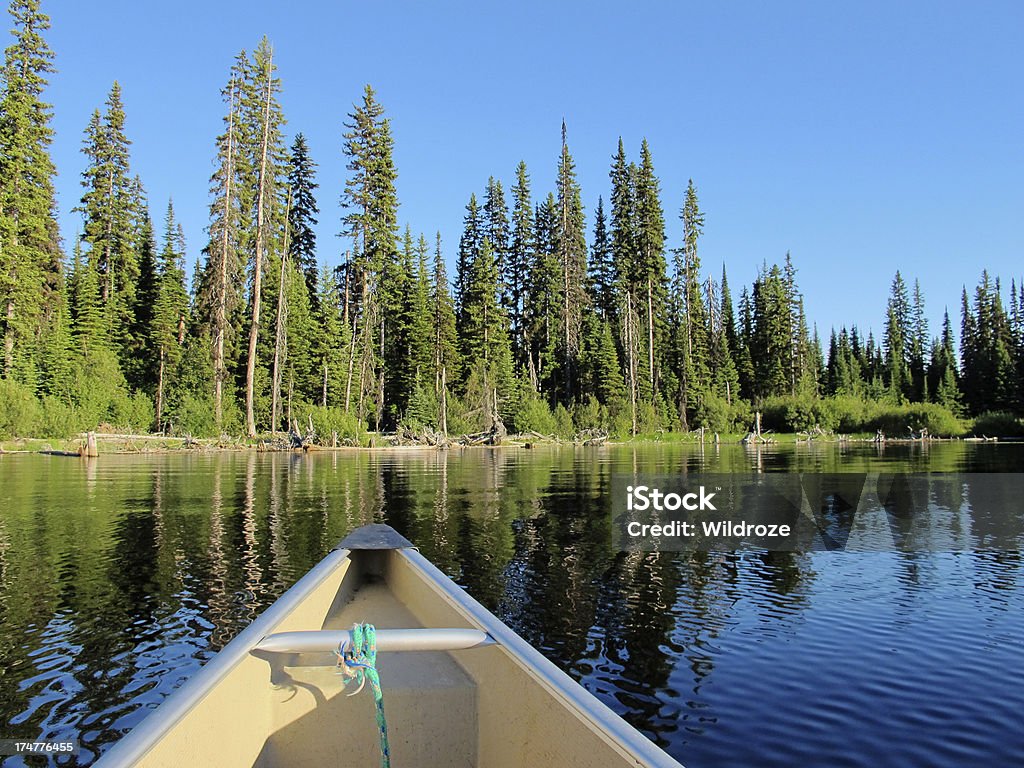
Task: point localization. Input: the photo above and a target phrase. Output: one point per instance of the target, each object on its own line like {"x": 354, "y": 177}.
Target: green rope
{"x": 358, "y": 662}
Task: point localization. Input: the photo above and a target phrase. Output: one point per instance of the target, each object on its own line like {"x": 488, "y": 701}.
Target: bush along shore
{"x": 784, "y": 421}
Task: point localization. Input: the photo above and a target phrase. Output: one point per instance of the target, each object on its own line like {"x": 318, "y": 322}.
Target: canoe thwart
{"x": 388, "y": 640}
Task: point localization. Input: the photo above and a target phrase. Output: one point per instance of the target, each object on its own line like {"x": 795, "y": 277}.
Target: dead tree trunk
{"x": 280, "y": 331}
{"x": 257, "y": 283}
{"x": 444, "y": 403}
{"x": 221, "y": 321}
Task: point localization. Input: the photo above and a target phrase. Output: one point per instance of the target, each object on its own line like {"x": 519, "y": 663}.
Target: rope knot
{"x": 357, "y": 659}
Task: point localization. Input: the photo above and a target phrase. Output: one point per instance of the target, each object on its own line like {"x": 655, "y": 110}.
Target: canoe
{"x": 459, "y": 687}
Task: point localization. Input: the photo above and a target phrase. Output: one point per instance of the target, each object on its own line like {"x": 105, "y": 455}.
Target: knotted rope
{"x": 357, "y": 659}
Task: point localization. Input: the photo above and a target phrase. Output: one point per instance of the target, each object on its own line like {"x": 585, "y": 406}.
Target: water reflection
{"x": 119, "y": 577}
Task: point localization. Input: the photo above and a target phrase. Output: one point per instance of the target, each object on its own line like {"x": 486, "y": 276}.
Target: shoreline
{"x": 159, "y": 445}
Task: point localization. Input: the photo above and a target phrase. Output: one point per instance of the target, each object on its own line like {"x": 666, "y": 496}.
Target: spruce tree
{"x": 469, "y": 251}
{"x": 771, "y": 339}
{"x": 648, "y": 274}
{"x": 897, "y": 322}
{"x": 917, "y": 346}
{"x": 517, "y": 266}
{"x": 167, "y": 328}
{"x": 690, "y": 323}
{"x": 942, "y": 371}
{"x": 572, "y": 256}
{"x": 542, "y": 309}
{"x": 485, "y": 335}
{"x": 447, "y": 367}
{"x": 261, "y": 124}
{"x": 744, "y": 355}
{"x": 602, "y": 266}
{"x": 724, "y": 379}
{"x": 496, "y": 229}
{"x": 331, "y": 341}
{"x": 219, "y": 284}
{"x": 302, "y": 213}
{"x": 371, "y": 202}
{"x": 29, "y": 244}
{"x": 113, "y": 207}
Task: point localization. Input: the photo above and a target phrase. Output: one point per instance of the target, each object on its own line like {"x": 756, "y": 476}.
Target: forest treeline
{"x": 542, "y": 324}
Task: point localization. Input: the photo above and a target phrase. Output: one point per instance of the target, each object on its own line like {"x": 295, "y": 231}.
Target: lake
{"x": 120, "y": 576}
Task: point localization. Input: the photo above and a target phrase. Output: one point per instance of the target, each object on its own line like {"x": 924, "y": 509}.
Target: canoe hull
{"x": 499, "y": 705}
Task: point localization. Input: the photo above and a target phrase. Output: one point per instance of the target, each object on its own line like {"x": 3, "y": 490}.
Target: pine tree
{"x": 517, "y": 266}
{"x": 801, "y": 367}
{"x": 771, "y": 339}
{"x": 602, "y": 266}
{"x": 896, "y": 324}
{"x": 372, "y": 221}
{"x": 446, "y": 366}
{"x": 648, "y": 273}
{"x": 469, "y": 251}
{"x": 219, "y": 285}
{"x": 331, "y": 340}
{"x": 744, "y": 356}
{"x": 302, "y": 213}
{"x": 622, "y": 224}
{"x": 692, "y": 348}
{"x": 541, "y": 309}
{"x": 724, "y": 379}
{"x": 138, "y": 360}
{"x": 419, "y": 357}
{"x": 261, "y": 123}
{"x": 29, "y": 247}
{"x": 572, "y": 257}
{"x": 485, "y": 334}
{"x": 496, "y": 229}
{"x": 166, "y": 332}
{"x": 917, "y": 348}
{"x": 622, "y": 221}
{"x": 301, "y": 380}
{"x": 113, "y": 205}
{"x": 90, "y": 325}
{"x": 942, "y": 372}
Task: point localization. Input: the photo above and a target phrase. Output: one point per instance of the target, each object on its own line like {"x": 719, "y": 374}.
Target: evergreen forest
{"x": 533, "y": 318}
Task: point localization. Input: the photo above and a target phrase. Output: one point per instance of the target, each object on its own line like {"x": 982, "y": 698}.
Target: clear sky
{"x": 862, "y": 137}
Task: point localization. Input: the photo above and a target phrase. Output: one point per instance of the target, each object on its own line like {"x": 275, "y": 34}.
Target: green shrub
{"x": 19, "y": 410}
{"x": 423, "y": 411}
{"x": 535, "y": 416}
{"x": 58, "y": 419}
{"x": 193, "y": 415}
{"x": 900, "y": 420}
{"x": 132, "y": 413}
{"x": 718, "y": 415}
{"x": 849, "y": 414}
{"x": 563, "y": 422}
{"x": 590, "y": 414}
{"x": 997, "y": 424}
{"x": 326, "y": 421}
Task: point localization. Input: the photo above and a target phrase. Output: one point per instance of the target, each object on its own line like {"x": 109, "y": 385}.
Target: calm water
{"x": 121, "y": 576}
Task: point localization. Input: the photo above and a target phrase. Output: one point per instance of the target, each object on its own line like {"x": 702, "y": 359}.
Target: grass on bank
{"x": 54, "y": 424}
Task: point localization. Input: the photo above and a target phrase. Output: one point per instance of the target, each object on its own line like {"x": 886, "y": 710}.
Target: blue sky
{"x": 861, "y": 137}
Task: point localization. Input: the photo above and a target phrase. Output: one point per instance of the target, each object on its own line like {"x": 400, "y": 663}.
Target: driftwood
{"x": 813, "y": 432}
{"x": 592, "y": 437}
{"x": 429, "y": 437}
{"x": 299, "y": 441}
